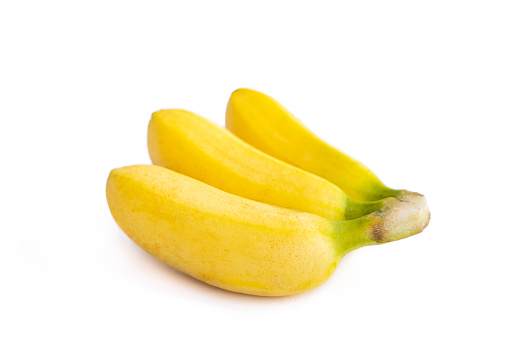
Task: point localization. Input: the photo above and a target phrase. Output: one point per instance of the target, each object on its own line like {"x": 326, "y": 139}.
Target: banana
{"x": 264, "y": 123}
{"x": 193, "y": 146}
{"x": 239, "y": 244}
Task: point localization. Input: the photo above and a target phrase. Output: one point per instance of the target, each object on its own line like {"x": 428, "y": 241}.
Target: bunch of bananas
{"x": 262, "y": 207}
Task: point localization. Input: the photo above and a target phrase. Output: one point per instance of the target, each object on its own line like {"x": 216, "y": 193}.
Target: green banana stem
{"x": 398, "y": 218}
{"x": 382, "y": 192}
{"x": 356, "y": 209}
{"x": 353, "y": 234}
{"x": 377, "y": 191}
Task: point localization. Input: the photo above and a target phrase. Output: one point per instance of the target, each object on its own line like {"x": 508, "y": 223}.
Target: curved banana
{"x": 239, "y": 244}
{"x": 193, "y": 146}
{"x": 264, "y": 123}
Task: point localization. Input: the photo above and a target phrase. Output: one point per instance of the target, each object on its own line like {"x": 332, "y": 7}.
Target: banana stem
{"x": 352, "y": 234}
{"x": 356, "y": 209}
{"x": 376, "y": 191}
{"x": 398, "y": 218}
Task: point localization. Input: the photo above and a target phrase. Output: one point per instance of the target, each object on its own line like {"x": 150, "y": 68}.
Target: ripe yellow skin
{"x": 265, "y": 124}
{"x": 235, "y": 243}
{"x": 193, "y": 146}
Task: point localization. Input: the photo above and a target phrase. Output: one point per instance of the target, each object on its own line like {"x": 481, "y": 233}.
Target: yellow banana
{"x": 193, "y": 146}
{"x": 239, "y": 244}
{"x": 264, "y": 123}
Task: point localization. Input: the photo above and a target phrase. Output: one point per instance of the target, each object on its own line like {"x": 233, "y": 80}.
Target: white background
{"x": 416, "y": 90}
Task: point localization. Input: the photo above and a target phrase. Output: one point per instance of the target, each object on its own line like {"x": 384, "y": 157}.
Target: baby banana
{"x": 264, "y": 123}
{"x": 194, "y": 146}
{"x": 239, "y": 244}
